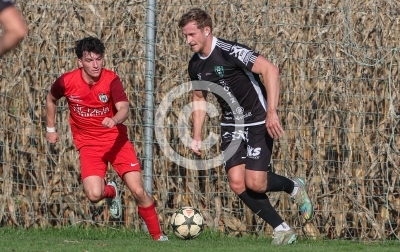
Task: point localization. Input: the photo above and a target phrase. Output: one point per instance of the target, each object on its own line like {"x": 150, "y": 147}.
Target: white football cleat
{"x": 115, "y": 207}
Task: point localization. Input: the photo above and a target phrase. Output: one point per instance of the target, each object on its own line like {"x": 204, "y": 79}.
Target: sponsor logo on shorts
{"x": 132, "y": 164}
{"x": 253, "y": 153}
{"x": 236, "y": 135}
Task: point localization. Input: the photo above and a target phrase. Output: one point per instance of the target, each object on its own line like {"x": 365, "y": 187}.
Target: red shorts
{"x": 121, "y": 155}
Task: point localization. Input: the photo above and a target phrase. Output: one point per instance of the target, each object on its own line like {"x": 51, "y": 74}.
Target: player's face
{"x": 91, "y": 63}
{"x": 195, "y": 37}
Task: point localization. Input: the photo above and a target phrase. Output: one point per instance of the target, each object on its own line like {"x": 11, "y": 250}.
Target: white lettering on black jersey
{"x": 229, "y": 65}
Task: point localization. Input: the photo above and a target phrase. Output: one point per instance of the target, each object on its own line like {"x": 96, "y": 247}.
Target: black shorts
{"x": 251, "y": 146}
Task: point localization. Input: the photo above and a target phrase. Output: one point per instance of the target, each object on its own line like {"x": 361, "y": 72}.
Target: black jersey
{"x": 5, "y": 3}
{"x": 229, "y": 65}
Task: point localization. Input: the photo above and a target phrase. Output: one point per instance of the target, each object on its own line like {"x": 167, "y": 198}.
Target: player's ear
{"x": 207, "y": 30}
{"x": 80, "y": 65}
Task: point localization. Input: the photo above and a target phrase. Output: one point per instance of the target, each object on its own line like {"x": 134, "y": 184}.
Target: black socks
{"x": 277, "y": 183}
{"x": 260, "y": 205}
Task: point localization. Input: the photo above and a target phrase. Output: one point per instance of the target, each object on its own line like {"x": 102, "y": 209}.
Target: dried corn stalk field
{"x": 340, "y": 106}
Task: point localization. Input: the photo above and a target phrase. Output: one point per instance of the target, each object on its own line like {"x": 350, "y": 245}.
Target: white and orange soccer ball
{"x": 187, "y": 223}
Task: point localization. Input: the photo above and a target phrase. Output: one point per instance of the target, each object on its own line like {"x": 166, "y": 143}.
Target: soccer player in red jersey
{"x": 98, "y": 107}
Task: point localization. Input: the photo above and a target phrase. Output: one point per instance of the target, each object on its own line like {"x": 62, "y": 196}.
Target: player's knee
{"x": 237, "y": 187}
{"x": 94, "y": 196}
{"x": 256, "y": 187}
{"x": 139, "y": 193}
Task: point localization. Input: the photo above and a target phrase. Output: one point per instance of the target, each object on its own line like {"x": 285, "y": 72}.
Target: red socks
{"x": 109, "y": 192}
{"x": 149, "y": 216}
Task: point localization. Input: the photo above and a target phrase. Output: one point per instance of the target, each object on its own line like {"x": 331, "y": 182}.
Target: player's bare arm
{"x": 14, "y": 29}
{"x": 120, "y": 117}
{"x": 199, "y": 115}
{"x": 51, "y": 107}
{"x": 270, "y": 75}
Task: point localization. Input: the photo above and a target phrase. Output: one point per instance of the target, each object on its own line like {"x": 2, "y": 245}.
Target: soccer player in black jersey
{"x": 249, "y": 104}
{"x": 13, "y": 26}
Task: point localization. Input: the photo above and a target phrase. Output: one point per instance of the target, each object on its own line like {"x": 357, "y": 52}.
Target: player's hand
{"x": 196, "y": 146}
{"x": 108, "y": 122}
{"x": 52, "y": 137}
{"x": 273, "y": 125}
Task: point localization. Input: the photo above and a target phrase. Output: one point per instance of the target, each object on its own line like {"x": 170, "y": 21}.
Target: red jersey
{"x": 90, "y": 104}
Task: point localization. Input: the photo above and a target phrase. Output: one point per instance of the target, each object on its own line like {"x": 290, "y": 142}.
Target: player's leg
{"x": 94, "y": 188}
{"x": 278, "y": 183}
{"x": 145, "y": 204}
{"x": 133, "y": 180}
{"x": 127, "y": 166}
{"x": 259, "y": 151}
{"x": 124, "y": 161}
{"x": 257, "y": 202}
{"x": 296, "y": 187}
{"x": 256, "y": 177}
{"x": 93, "y": 170}
{"x": 235, "y": 156}
{"x": 261, "y": 205}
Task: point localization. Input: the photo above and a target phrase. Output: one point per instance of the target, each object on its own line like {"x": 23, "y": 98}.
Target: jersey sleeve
{"x": 196, "y": 84}
{"x": 243, "y": 56}
{"x": 117, "y": 91}
{"x": 5, "y": 4}
{"x": 191, "y": 73}
{"x": 58, "y": 88}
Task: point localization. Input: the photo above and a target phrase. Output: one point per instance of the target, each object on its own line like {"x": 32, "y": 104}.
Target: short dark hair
{"x": 89, "y": 44}
{"x": 201, "y": 17}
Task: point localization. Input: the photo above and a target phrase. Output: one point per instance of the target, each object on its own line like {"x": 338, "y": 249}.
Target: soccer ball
{"x": 187, "y": 223}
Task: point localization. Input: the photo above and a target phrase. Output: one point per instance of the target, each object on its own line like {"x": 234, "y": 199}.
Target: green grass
{"x": 110, "y": 239}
